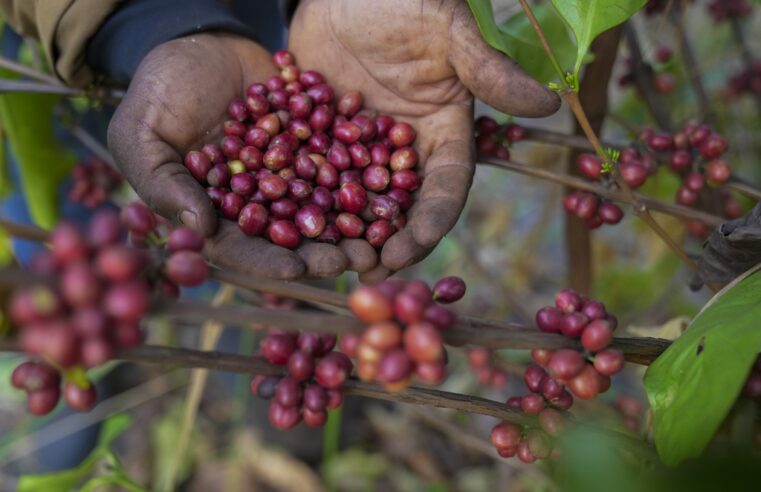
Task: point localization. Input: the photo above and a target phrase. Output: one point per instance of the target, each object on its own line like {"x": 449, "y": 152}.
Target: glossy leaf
{"x": 589, "y": 18}
{"x": 517, "y": 39}
{"x": 27, "y": 120}
{"x": 528, "y": 50}
{"x": 693, "y": 385}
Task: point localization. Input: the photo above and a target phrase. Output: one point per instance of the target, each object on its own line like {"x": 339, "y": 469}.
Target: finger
{"x": 322, "y": 260}
{"x": 493, "y": 77}
{"x": 448, "y": 176}
{"x": 376, "y": 275}
{"x": 231, "y": 249}
{"x": 401, "y": 251}
{"x": 362, "y": 257}
{"x": 154, "y": 169}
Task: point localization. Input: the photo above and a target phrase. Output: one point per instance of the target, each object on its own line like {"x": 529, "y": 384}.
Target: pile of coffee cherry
{"x": 494, "y": 141}
{"x": 93, "y": 181}
{"x": 694, "y": 154}
{"x": 297, "y": 162}
{"x": 404, "y": 334}
{"x": 557, "y": 376}
{"x": 92, "y": 292}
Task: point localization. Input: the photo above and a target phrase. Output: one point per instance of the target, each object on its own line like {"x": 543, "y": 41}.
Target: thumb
{"x": 155, "y": 171}
{"x": 493, "y": 77}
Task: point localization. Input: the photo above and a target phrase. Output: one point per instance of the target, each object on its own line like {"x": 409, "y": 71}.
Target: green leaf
{"x": 484, "y": 15}
{"x": 528, "y": 51}
{"x": 27, "y": 120}
{"x": 67, "y": 480}
{"x": 589, "y": 18}
{"x": 693, "y": 385}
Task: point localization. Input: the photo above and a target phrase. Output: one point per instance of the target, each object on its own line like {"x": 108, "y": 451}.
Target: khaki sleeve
{"x": 63, "y": 27}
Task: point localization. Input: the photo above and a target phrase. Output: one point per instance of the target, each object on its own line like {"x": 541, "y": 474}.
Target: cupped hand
{"x": 177, "y": 102}
{"x": 421, "y": 62}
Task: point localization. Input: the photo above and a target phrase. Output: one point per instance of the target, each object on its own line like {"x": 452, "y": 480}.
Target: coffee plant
{"x": 538, "y": 360}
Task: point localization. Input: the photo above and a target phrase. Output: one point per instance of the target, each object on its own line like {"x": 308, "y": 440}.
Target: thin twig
{"x": 92, "y": 144}
{"x": 28, "y": 71}
{"x": 38, "y": 88}
{"x": 612, "y": 194}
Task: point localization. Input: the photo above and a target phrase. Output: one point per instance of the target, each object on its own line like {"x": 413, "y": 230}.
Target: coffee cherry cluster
{"x": 631, "y": 410}
{"x": 658, "y": 71}
{"x": 723, "y": 10}
{"x": 93, "y": 292}
{"x": 694, "y": 153}
{"x": 404, "y": 336}
{"x": 297, "y": 163}
{"x": 557, "y": 376}
{"x": 481, "y": 361}
{"x": 746, "y": 81}
{"x": 493, "y": 140}
{"x": 93, "y": 182}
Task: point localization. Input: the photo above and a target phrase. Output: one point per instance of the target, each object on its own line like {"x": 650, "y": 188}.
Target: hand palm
{"x": 420, "y": 62}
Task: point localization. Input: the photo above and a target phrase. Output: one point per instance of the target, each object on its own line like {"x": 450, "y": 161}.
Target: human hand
{"x": 177, "y": 102}
{"x": 420, "y": 62}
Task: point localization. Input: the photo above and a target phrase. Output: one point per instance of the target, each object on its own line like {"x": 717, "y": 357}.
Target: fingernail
{"x": 189, "y": 219}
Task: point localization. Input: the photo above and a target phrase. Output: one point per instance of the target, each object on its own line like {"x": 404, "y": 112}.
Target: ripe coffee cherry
{"x": 284, "y": 233}
{"x": 713, "y": 147}
{"x": 378, "y": 233}
{"x": 395, "y": 366}
{"x": 572, "y": 325}
{"x": 718, "y": 171}
{"x": 198, "y": 164}
{"x": 231, "y": 205}
{"x": 448, "y": 290}
{"x": 127, "y": 301}
{"x": 567, "y": 301}
{"x": 349, "y": 104}
{"x": 593, "y": 309}
{"x": 383, "y": 336}
{"x": 440, "y": 316}
{"x": 184, "y": 238}
{"x": 370, "y": 305}
{"x": 590, "y": 166}
{"x": 681, "y": 160}
{"x": 79, "y": 285}
{"x": 549, "y": 319}
{"x": 237, "y": 110}
{"x": 685, "y": 196}
{"x": 79, "y": 399}
{"x": 532, "y": 404}
{"x": 403, "y": 158}
{"x": 409, "y": 308}
{"x": 283, "y": 208}
{"x": 277, "y": 349}
{"x": 353, "y": 198}
{"x": 384, "y": 207}
{"x": 104, "y": 229}
{"x": 315, "y": 419}
{"x": 401, "y": 134}
{"x": 660, "y": 142}
{"x": 310, "y": 221}
{"x": 315, "y": 398}
{"x": 219, "y": 175}
{"x": 633, "y": 174}
{"x": 694, "y": 181}
{"x": 282, "y": 417}
{"x": 486, "y": 125}
{"x": 69, "y": 243}
{"x": 423, "y": 342}
{"x": 505, "y": 436}
{"x": 486, "y": 145}
{"x": 586, "y": 384}
{"x": 565, "y": 363}
{"x": 610, "y": 213}
{"x": 350, "y": 225}
{"x": 609, "y": 362}
{"x": 117, "y": 263}
{"x": 514, "y": 132}
{"x": 288, "y": 392}
{"x": 533, "y": 376}
{"x": 252, "y": 219}
{"x": 266, "y": 388}
{"x": 402, "y": 197}
{"x": 406, "y": 179}
{"x": 186, "y": 268}
{"x": 550, "y": 388}
{"x": 95, "y": 351}
{"x": 332, "y": 370}
{"x": 42, "y": 402}
{"x": 541, "y": 356}
{"x": 596, "y": 335}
